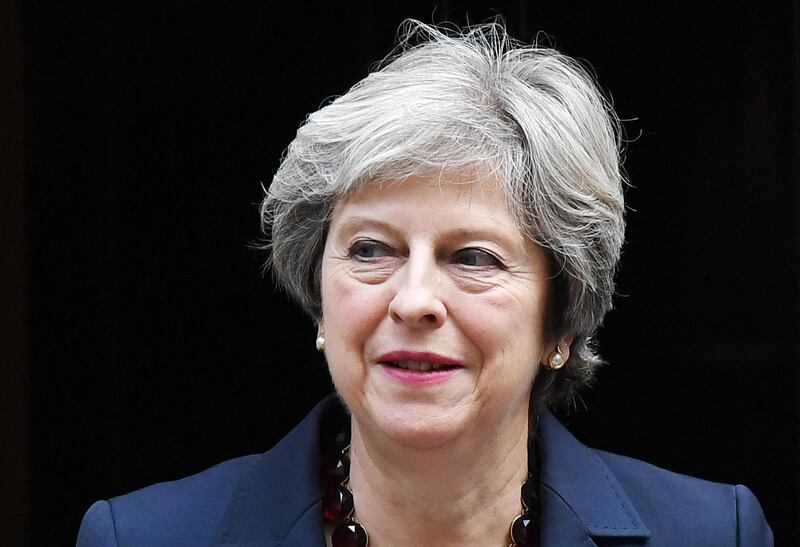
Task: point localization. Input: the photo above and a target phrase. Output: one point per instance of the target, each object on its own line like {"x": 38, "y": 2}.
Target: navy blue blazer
{"x": 588, "y": 498}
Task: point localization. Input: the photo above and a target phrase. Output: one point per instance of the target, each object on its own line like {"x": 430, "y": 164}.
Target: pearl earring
{"x": 321, "y": 342}
{"x": 556, "y": 360}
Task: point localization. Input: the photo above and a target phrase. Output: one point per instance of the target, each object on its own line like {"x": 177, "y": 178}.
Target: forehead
{"x": 459, "y": 189}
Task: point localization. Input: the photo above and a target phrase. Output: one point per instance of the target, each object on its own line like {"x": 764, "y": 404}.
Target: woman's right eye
{"x": 366, "y": 249}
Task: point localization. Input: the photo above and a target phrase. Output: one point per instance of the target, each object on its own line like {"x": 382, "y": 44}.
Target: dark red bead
{"x": 342, "y": 439}
{"x": 530, "y": 495}
{"x": 334, "y": 470}
{"x": 525, "y": 530}
{"x": 349, "y": 534}
{"x": 337, "y": 504}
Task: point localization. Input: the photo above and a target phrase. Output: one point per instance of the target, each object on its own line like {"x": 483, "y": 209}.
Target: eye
{"x": 477, "y": 258}
{"x": 366, "y": 249}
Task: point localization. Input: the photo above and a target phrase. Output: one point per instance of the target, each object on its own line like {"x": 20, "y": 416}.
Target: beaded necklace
{"x": 338, "y": 506}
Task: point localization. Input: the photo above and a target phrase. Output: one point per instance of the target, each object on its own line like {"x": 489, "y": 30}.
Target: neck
{"x": 465, "y": 492}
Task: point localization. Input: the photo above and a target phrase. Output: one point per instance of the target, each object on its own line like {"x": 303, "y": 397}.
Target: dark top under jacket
{"x": 588, "y": 497}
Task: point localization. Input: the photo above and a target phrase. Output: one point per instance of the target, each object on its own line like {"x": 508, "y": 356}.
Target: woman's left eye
{"x": 477, "y": 258}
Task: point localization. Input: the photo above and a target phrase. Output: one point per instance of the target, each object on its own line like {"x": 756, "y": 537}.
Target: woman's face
{"x": 433, "y": 310}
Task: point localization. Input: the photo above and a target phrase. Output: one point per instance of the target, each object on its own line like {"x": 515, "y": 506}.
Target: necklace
{"x": 338, "y": 505}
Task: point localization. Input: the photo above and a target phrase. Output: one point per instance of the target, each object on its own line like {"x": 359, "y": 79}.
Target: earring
{"x": 556, "y": 360}
{"x": 320, "y": 340}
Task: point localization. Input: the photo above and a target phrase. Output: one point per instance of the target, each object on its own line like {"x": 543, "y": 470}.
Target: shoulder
{"x": 182, "y": 512}
{"x": 614, "y": 498}
{"x": 263, "y": 499}
{"x": 689, "y": 510}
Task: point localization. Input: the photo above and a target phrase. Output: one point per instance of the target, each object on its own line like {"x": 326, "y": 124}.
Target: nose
{"x": 418, "y": 300}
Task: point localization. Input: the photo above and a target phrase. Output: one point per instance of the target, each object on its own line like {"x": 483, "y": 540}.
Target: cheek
{"x": 508, "y": 331}
{"x": 504, "y": 319}
{"x": 338, "y": 299}
{"x": 351, "y": 312}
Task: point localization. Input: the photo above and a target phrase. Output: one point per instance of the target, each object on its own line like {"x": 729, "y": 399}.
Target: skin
{"x": 435, "y": 265}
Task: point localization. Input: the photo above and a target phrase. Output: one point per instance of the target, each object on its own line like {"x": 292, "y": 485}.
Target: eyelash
{"x": 364, "y": 244}
{"x": 494, "y": 261}
{"x": 372, "y": 245}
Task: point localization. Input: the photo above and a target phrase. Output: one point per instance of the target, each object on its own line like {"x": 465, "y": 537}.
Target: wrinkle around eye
{"x": 373, "y": 272}
{"x": 477, "y": 280}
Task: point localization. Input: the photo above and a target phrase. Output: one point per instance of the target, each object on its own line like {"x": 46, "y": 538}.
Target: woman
{"x": 452, "y": 224}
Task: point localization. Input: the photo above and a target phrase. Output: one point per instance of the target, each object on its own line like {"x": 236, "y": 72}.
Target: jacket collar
{"x": 580, "y": 496}
{"x": 278, "y": 502}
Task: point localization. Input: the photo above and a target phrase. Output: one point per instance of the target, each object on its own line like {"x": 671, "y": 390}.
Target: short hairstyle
{"x": 470, "y": 99}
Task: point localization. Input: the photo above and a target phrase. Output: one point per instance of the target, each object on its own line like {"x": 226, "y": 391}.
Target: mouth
{"x": 418, "y": 363}
{"x": 420, "y": 366}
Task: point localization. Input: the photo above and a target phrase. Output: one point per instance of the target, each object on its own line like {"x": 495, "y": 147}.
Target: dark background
{"x": 142, "y": 343}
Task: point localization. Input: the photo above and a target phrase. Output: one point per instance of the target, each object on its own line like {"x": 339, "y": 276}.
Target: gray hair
{"x": 471, "y": 99}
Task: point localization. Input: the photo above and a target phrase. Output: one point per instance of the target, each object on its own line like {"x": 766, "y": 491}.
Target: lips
{"x": 418, "y": 361}
{"x": 422, "y": 366}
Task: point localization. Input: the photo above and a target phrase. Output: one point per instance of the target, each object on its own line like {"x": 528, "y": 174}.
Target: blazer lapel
{"x": 581, "y": 499}
{"x": 278, "y": 502}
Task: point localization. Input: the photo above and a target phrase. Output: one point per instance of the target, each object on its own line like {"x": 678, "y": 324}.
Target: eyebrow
{"x": 357, "y": 222}
{"x": 487, "y": 235}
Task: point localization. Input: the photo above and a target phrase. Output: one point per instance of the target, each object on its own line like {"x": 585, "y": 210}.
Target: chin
{"x": 417, "y": 426}
{"x": 424, "y": 438}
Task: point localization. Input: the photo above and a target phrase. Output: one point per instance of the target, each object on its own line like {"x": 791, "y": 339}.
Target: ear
{"x": 566, "y": 346}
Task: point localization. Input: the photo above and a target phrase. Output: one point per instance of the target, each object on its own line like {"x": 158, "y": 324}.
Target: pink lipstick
{"x": 419, "y": 367}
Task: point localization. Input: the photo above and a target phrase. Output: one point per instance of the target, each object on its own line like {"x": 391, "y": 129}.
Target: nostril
{"x": 417, "y": 305}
